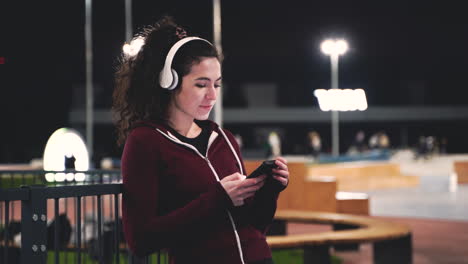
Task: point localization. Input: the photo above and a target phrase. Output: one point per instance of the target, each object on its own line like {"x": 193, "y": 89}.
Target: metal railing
{"x": 18, "y": 178}
{"x": 63, "y": 222}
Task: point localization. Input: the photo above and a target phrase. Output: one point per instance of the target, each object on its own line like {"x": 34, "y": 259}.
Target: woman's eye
{"x": 199, "y": 85}
{"x": 217, "y": 85}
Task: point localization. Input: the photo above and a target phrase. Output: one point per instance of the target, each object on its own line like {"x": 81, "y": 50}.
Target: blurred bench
{"x": 392, "y": 242}
{"x": 461, "y": 169}
{"x": 316, "y": 193}
{"x": 352, "y": 203}
{"x": 364, "y": 175}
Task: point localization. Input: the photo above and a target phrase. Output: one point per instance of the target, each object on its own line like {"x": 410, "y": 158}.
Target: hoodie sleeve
{"x": 145, "y": 230}
{"x": 259, "y": 210}
{"x": 262, "y": 208}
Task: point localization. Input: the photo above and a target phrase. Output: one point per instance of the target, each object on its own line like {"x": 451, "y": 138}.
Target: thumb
{"x": 234, "y": 177}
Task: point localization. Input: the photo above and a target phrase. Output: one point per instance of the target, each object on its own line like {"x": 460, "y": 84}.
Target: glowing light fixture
{"x": 63, "y": 144}
{"x": 334, "y": 47}
{"x": 341, "y": 99}
{"x": 134, "y": 47}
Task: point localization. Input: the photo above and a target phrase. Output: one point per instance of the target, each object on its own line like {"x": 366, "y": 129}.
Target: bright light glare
{"x": 59, "y": 177}
{"x": 70, "y": 176}
{"x": 341, "y": 46}
{"x": 50, "y": 177}
{"x": 65, "y": 142}
{"x": 334, "y": 47}
{"x": 79, "y": 177}
{"x": 341, "y": 99}
{"x": 327, "y": 46}
{"x": 134, "y": 47}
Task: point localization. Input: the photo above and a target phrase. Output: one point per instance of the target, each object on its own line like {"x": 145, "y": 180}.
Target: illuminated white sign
{"x": 341, "y": 99}
{"x": 65, "y": 150}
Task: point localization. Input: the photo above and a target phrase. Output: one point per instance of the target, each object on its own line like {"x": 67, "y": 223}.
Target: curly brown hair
{"x": 137, "y": 95}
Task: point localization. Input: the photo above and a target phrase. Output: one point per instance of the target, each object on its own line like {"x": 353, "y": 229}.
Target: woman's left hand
{"x": 281, "y": 174}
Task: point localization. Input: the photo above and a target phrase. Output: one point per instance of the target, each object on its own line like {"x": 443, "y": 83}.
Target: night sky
{"x": 401, "y": 53}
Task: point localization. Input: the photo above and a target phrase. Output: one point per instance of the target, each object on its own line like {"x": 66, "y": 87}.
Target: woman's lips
{"x": 206, "y": 106}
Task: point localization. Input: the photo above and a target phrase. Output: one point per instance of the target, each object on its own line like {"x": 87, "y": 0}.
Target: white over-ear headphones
{"x": 168, "y": 77}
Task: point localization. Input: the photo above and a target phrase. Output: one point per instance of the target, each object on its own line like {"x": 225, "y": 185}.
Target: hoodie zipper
{"x": 213, "y": 136}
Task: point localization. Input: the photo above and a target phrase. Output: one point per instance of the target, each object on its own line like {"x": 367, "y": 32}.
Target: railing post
{"x": 399, "y": 250}
{"x": 345, "y": 247}
{"x": 34, "y": 227}
{"x": 277, "y": 228}
{"x": 317, "y": 254}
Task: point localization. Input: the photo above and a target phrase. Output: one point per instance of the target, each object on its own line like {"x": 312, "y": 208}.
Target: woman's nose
{"x": 212, "y": 93}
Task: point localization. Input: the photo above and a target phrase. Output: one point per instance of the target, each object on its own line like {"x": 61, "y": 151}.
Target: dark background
{"x": 401, "y": 53}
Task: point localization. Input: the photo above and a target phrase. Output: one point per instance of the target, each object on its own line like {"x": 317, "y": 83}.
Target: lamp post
{"x": 218, "y": 107}
{"x": 334, "y": 48}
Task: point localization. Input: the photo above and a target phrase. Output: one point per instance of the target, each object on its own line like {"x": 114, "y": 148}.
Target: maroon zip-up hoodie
{"x": 172, "y": 199}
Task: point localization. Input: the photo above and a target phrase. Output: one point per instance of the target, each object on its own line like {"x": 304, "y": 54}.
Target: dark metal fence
{"x": 63, "y": 222}
{"x": 18, "y": 178}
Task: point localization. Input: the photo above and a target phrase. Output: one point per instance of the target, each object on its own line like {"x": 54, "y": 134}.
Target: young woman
{"x": 184, "y": 180}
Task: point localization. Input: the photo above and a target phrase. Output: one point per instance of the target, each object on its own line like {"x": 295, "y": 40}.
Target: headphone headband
{"x": 168, "y": 78}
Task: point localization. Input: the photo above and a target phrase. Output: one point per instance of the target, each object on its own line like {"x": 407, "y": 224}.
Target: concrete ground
{"x": 437, "y": 197}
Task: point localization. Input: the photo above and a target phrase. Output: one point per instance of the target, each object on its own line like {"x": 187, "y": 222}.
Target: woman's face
{"x": 199, "y": 91}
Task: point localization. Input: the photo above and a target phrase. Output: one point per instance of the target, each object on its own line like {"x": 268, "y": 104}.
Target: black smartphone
{"x": 265, "y": 168}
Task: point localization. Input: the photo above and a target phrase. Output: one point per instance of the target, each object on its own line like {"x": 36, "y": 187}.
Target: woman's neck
{"x": 183, "y": 123}
{"x": 188, "y": 129}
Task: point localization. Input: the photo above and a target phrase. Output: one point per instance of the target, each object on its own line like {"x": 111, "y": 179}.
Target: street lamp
{"x": 334, "y": 48}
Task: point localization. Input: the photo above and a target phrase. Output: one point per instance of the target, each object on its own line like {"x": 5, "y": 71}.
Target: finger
{"x": 248, "y": 195}
{"x": 260, "y": 179}
{"x": 283, "y": 173}
{"x": 286, "y": 179}
{"x": 245, "y": 183}
{"x": 283, "y": 160}
{"x": 260, "y": 184}
{"x": 252, "y": 188}
{"x": 282, "y": 180}
{"x": 234, "y": 177}
{"x": 239, "y": 203}
{"x": 282, "y": 165}
{"x": 253, "y": 181}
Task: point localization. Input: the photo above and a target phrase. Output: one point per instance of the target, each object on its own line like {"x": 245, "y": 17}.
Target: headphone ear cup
{"x": 175, "y": 80}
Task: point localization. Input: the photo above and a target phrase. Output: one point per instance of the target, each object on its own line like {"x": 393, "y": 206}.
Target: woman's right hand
{"x": 239, "y": 188}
